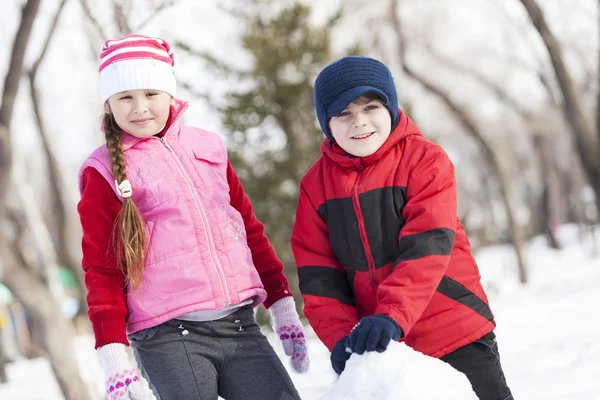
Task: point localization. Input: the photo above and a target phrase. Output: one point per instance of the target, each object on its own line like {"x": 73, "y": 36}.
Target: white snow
{"x": 400, "y": 373}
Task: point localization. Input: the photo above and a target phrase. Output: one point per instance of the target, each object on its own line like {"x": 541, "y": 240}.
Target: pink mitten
{"x": 121, "y": 380}
{"x": 288, "y": 327}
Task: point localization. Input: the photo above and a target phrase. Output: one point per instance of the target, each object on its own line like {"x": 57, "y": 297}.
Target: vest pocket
{"x": 211, "y": 167}
{"x": 214, "y": 156}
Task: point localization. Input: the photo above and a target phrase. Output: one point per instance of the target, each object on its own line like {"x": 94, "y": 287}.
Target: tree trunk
{"x": 38, "y": 300}
{"x": 59, "y": 213}
{"x": 3, "y": 356}
{"x": 11, "y": 87}
{"x": 545, "y": 217}
{"x": 546, "y": 167}
{"x": 41, "y": 297}
{"x": 597, "y": 189}
{"x": 489, "y": 155}
{"x": 588, "y": 145}
{"x": 41, "y": 239}
{"x": 548, "y": 222}
{"x": 59, "y": 208}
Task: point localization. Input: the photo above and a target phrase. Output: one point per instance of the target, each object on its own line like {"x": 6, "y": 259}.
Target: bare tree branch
{"x": 53, "y": 26}
{"x": 494, "y": 87}
{"x": 547, "y": 168}
{"x": 35, "y": 283}
{"x": 587, "y": 143}
{"x": 11, "y": 82}
{"x": 42, "y": 306}
{"x": 598, "y": 89}
{"x": 5, "y": 163}
{"x": 473, "y": 131}
{"x": 157, "y": 10}
{"x": 16, "y": 221}
{"x": 59, "y": 206}
{"x": 120, "y": 17}
{"x": 90, "y": 16}
{"x": 25, "y": 259}
{"x": 27, "y": 288}
{"x": 11, "y": 87}
{"x": 549, "y": 90}
{"x": 546, "y": 165}
{"x": 582, "y": 55}
{"x": 521, "y": 31}
{"x": 212, "y": 62}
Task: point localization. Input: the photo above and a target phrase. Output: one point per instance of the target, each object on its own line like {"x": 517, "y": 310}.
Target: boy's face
{"x": 141, "y": 113}
{"x": 362, "y": 128}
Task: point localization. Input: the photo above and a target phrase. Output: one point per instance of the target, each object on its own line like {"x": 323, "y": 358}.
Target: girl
{"x": 174, "y": 257}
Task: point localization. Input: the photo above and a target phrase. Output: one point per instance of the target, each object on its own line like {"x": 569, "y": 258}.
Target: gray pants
{"x": 229, "y": 357}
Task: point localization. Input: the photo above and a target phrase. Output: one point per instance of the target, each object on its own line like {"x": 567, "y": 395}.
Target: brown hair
{"x": 129, "y": 234}
{"x": 366, "y": 98}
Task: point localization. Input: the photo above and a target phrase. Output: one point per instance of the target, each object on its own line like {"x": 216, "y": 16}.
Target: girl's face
{"x": 362, "y": 127}
{"x": 141, "y": 113}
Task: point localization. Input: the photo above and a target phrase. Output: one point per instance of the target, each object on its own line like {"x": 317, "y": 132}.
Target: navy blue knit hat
{"x": 342, "y": 81}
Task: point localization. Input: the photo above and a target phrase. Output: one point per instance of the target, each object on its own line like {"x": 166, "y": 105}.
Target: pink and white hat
{"x": 136, "y": 62}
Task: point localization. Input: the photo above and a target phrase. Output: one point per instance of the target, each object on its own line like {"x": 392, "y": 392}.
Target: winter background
{"x": 547, "y": 330}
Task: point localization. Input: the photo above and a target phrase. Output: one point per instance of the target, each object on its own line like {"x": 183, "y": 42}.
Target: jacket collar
{"x": 338, "y": 155}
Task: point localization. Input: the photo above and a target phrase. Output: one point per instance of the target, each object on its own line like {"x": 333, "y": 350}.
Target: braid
{"x": 130, "y": 230}
{"x": 113, "y": 135}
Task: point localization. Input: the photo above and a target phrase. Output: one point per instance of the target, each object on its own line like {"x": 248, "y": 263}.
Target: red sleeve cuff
{"x": 109, "y": 327}
{"x": 270, "y": 269}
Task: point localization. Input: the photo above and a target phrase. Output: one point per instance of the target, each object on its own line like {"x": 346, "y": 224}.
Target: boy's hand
{"x": 122, "y": 382}
{"x": 373, "y": 333}
{"x": 288, "y": 327}
{"x": 339, "y": 355}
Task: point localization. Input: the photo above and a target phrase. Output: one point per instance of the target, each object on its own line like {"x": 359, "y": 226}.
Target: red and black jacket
{"x": 380, "y": 235}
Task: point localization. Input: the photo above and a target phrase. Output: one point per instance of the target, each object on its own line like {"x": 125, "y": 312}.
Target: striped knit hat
{"x": 136, "y": 62}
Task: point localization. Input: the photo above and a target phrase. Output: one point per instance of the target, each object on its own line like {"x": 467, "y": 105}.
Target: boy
{"x": 380, "y": 252}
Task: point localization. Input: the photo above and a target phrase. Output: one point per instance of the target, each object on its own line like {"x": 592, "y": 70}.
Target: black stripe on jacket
{"x": 437, "y": 241}
{"x": 454, "y": 290}
{"x": 325, "y": 282}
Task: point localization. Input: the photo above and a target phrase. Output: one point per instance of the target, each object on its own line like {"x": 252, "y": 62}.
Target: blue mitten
{"x": 373, "y": 333}
{"x": 339, "y": 355}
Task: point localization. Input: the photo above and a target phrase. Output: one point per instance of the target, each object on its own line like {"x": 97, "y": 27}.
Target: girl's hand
{"x": 121, "y": 379}
{"x": 290, "y": 331}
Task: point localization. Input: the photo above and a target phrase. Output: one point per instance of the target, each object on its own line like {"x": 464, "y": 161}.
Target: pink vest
{"x": 198, "y": 257}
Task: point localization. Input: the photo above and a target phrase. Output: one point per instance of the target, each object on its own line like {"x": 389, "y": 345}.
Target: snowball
{"x": 399, "y": 373}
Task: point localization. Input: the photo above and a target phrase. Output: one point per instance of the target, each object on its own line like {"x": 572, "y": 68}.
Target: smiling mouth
{"x": 362, "y": 136}
{"x": 141, "y": 121}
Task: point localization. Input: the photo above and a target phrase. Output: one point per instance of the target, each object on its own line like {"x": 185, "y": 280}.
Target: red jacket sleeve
{"x": 328, "y": 299}
{"x": 105, "y": 281}
{"x": 268, "y": 265}
{"x": 426, "y": 239}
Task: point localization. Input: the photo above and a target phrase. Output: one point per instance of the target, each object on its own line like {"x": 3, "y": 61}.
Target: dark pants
{"x": 228, "y": 357}
{"x": 480, "y": 362}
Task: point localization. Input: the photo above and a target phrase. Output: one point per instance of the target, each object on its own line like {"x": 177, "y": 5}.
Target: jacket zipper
{"x": 361, "y": 226}
{"x": 211, "y": 245}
